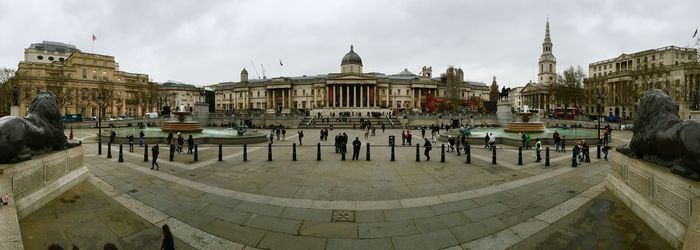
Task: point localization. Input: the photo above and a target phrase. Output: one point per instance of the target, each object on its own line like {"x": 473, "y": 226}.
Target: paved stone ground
{"x": 377, "y": 204}
{"x": 603, "y": 223}
{"x": 87, "y": 218}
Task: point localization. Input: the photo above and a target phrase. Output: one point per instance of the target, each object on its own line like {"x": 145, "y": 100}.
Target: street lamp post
{"x": 99, "y": 124}
{"x": 599, "y": 104}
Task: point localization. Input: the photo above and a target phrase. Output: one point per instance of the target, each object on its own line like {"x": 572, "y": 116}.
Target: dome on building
{"x": 351, "y": 58}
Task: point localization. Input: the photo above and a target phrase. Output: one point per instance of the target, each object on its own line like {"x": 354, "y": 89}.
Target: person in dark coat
{"x": 356, "y": 144}
{"x": 154, "y": 156}
{"x": 170, "y": 137}
{"x": 141, "y": 136}
{"x": 168, "y": 240}
{"x": 427, "y": 147}
{"x": 131, "y": 142}
{"x": 301, "y": 135}
{"x": 112, "y": 135}
{"x": 190, "y": 144}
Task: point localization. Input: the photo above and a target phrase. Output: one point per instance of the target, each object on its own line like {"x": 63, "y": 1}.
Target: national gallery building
{"x": 350, "y": 90}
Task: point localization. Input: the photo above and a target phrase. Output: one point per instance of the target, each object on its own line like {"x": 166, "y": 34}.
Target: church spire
{"x": 546, "y": 33}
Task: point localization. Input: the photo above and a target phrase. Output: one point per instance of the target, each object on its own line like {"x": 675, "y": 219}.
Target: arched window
{"x": 550, "y": 67}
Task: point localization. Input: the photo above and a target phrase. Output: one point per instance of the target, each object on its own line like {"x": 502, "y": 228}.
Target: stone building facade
{"x": 623, "y": 79}
{"x": 350, "y": 90}
{"x": 79, "y": 79}
{"x": 174, "y": 94}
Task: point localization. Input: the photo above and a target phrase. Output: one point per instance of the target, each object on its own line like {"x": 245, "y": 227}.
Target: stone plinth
{"x": 14, "y": 111}
{"x": 504, "y": 113}
{"x": 664, "y": 201}
{"x": 38, "y": 181}
{"x": 201, "y": 112}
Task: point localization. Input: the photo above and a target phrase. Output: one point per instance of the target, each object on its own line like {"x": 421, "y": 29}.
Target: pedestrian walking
{"x": 538, "y": 148}
{"x": 301, "y": 135}
{"x": 155, "y": 150}
{"x": 356, "y": 144}
{"x": 576, "y": 154}
{"x": 605, "y": 150}
{"x": 427, "y": 146}
{"x": 563, "y": 144}
{"x": 190, "y": 144}
{"x": 112, "y": 135}
{"x": 141, "y": 136}
{"x": 131, "y": 142}
{"x": 168, "y": 241}
{"x": 170, "y": 137}
{"x": 284, "y": 134}
{"x": 180, "y": 143}
{"x": 486, "y": 140}
{"x": 492, "y": 142}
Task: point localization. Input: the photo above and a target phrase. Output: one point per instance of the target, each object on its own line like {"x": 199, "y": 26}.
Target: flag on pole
{"x": 696, "y": 33}
{"x": 94, "y": 37}
{"x": 281, "y": 63}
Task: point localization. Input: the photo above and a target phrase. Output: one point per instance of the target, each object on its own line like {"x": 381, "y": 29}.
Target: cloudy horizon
{"x": 203, "y": 44}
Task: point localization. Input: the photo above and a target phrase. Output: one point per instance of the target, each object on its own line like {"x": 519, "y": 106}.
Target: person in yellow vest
{"x": 538, "y": 147}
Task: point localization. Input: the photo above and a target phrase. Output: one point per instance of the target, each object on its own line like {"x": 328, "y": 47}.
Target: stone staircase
{"x": 346, "y": 122}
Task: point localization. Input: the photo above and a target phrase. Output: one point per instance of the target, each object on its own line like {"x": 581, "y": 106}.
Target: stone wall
{"x": 662, "y": 199}
{"x": 38, "y": 181}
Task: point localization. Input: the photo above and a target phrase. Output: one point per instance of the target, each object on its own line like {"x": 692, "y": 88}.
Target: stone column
{"x": 289, "y": 97}
{"x": 420, "y": 102}
{"x": 354, "y": 96}
{"x": 376, "y": 94}
{"x": 347, "y": 96}
{"x": 274, "y": 102}
{"x": 367, "y": 95}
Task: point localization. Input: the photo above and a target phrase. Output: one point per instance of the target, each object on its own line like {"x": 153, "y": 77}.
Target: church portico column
{"x": 347, "y": 96}
{"x": 375, "y": 90}
{"x": 274, "y": 104}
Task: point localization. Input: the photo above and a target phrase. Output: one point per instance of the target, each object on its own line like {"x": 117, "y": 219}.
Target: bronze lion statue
{"x": 40, "y": 132}
{"x": 660, "y": 136}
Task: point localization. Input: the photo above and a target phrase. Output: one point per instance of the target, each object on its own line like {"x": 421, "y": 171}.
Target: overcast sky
{"x": 206, "y": 42}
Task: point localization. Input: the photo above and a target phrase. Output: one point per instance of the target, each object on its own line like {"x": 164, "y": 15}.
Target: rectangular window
{"x": 84, "y": 73}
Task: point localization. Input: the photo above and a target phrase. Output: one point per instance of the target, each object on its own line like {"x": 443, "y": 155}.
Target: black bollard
{"x": 442, "y": 153}
{"x": 318, "y": 151}
{"x": 245, "y": 152}
{"x": 196, "y": 153}
{"x": 269, "y": 152}
{"x": 145, "y": 153}
{"x": 109, "y": 150}
{"x": 587, "y": 155}
{"x": 458, "y": 149}
{"x": 493, "y": 157}
{"x": 468, "y": 152}
{"x": 393, "y": 157}
{"x": 121, "y": 154}
{"x": 294, "y": 151}
{"x": 99, "y": 148}
{"x": 520, "y": 155}
{"x": 598, "y": 151}
{"x": 171, "y": 157}
{"x": 368, "y": 151}
{"x": 546, "y": 157}
{"x": 573, "y": 159}
{"x": 221, "y": 153}
{"x": 417, "y": 152}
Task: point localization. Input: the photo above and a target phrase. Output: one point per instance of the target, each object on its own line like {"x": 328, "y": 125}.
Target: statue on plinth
{"x": 662, "y": 137}
{"x": 40, "y": 132}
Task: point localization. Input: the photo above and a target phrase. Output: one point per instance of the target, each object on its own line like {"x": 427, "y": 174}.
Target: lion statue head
{"x": 660, "y": 136}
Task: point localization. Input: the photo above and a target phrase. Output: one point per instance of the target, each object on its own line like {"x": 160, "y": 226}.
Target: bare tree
{"x": 7, "y": 78}
{"x": 57, "y": 83}
{"x": 568, "y": 89}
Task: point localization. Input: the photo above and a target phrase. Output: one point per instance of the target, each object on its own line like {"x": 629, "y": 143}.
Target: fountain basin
{"x": 525, "y": 127}
{"x": 183, "y": 127}
{"x": 226, "y": 136}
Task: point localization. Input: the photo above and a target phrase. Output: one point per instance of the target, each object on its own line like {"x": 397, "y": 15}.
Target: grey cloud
{"x": 205, "y": 42}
